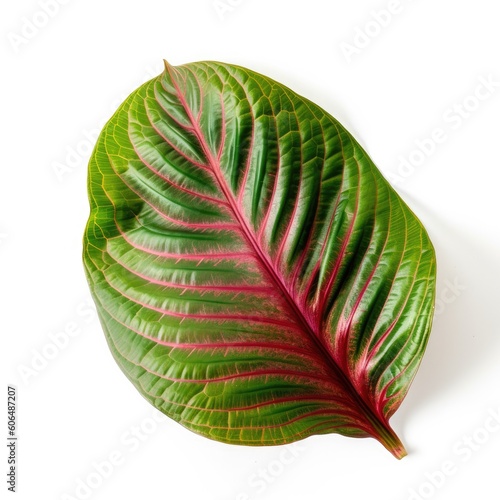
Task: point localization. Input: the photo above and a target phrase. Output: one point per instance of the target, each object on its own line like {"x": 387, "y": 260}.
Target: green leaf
{"x": 256, "y": 277}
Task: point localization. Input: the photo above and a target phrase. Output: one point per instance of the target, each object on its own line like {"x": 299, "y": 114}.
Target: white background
{"x": 76, "y": 409}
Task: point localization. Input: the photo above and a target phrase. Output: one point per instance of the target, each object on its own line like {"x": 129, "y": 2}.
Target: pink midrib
{"x": 275, "y": 276}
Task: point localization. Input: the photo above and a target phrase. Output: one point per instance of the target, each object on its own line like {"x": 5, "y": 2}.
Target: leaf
{"x": 256, "y": 277}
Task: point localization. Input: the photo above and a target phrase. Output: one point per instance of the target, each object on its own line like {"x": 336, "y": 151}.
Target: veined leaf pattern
{"x": 256, "y": 277}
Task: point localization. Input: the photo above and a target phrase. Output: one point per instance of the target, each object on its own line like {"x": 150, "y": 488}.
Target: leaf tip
{"x": 167, "y": 65}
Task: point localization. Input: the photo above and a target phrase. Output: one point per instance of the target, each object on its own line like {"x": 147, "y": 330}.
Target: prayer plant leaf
{"x": 256, "y": 277}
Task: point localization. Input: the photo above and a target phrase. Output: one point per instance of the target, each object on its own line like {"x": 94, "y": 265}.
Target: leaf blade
{"x": 271, "y": 243}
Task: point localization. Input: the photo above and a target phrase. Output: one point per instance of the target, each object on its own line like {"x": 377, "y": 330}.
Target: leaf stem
{"x": 388, "y": 438}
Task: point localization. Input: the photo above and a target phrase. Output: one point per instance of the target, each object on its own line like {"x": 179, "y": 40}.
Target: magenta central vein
{"x": 310, "y": 328}
{"x": 275, "y": 276}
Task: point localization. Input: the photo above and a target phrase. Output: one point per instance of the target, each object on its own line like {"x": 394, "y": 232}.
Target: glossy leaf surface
{"x": 256, "y": 277}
